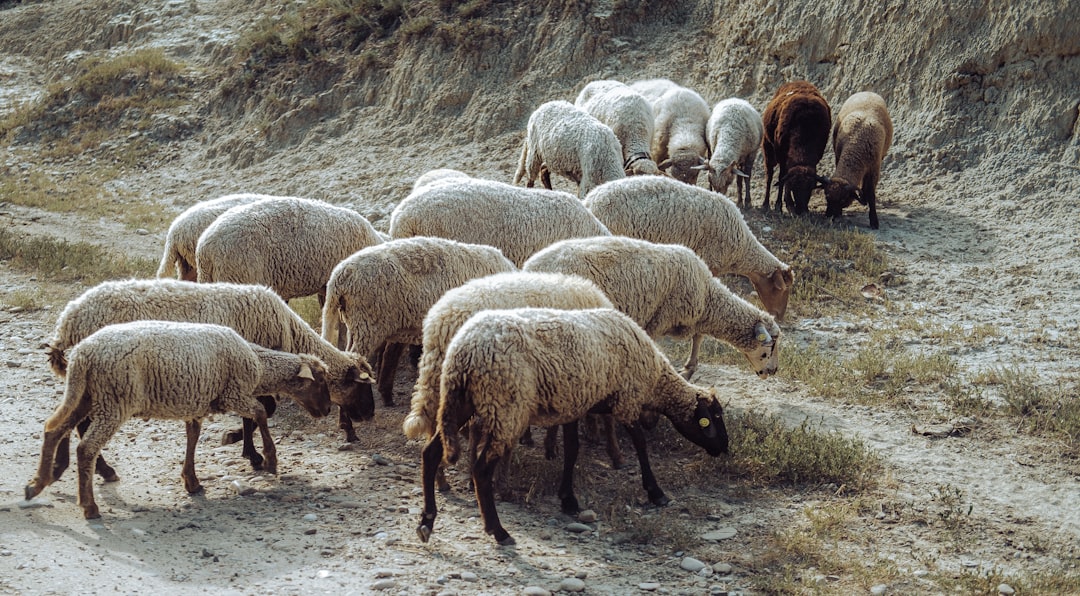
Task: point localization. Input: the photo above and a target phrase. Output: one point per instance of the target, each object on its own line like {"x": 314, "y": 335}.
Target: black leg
{"x": 431, "y": 461}
{"x": 648, "y": 480}
{"x": 483, "y": 475}
{"x": 571, "y": 446}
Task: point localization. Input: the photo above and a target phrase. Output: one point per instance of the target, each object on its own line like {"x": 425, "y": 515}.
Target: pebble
{"x": 34, "y": 503}
{"x": 719, "y": 534}
{"x": 381, "y": 572}
{"x": 572, "y": 584}
{"x": 469, "y": 576}
{"x": 384, "y": 584}
{"x": 323, "y": 574}
{"x": 1006, "y": 589}
{"x": 722, "y": 568}
{"x": 921, "y": 573}
{"x": 13, "y": 364}
{"x": 243, "y": 489}
{"x": 692, "y": 565}
{"x": 535, "y": 591}
{"x": 879, "y": 589}
{"x": 5, "y": 553}
{"x": 311, "y": 517}
{"x": 587, "y": 517}
{"x": 577, "y": 528}
{"x": 380, "y": 460}
{"x": 649, "y": 586}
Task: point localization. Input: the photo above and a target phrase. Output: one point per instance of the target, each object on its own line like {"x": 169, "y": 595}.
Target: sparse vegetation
{"x": 60, "y": 260}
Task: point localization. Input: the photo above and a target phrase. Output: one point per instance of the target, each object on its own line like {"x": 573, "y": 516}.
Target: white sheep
{"x": 507, "y": 369}
{"x": 630, "y": 117}
{"x": 568, "y": 141}
{"x": 652, "y": 89}
{"x": 184, "y": 232}
{"x": 666, "y": 211}
{"x": 861, "y": 136}
{"x": 734, "y": 132}
{"x": 287, "y": 243}
{"x": 679, "y": 145}
{"x": 255, "y": 312}
{"x": 668, "y": 290}
{"x": 381, "y": 294}
{"x": 518, "y": 221}
{"x": 436, "y": 176}
{"x": 174, "y": 371}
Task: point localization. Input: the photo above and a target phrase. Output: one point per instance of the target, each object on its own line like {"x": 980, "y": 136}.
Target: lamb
{"x": 668, "y": 290}
{"x": 568, "y": 141}
{"x": 287, "y": 243}
{"x": 734, "y": 132}
{"x": 518, "y": 289}
{"x": 862, "y": 135}
{"x": 679, "y": 144}
{"x": 630, "y": 117}
{"x": 184, "y": 232}
{"x": 797, "y": 122}
{"x": 174, "y": 371}
{"x": 518, "y": 221}
{"x": 382, "y": 293}
{"x": 665, "y": 211}
{"x": 255, "y": 312}
{"x": 507, "y": 369}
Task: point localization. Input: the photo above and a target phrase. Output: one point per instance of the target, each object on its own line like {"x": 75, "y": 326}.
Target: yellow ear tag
{"x": 761, "y": 337}
{"x": 704, "y": 422}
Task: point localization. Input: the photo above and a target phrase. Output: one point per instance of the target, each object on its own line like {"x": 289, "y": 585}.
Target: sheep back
{"x": 862, "y": 135}
{"x": 679, "y": 144}
{"x": 734, "y": 132}
{"x": 630, "y": 117}
{"x": 184, "y": 232}
{"x": 797, "y": 122}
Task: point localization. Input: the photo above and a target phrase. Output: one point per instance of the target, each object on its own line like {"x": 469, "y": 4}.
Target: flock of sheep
{"x": 531, "y": 306}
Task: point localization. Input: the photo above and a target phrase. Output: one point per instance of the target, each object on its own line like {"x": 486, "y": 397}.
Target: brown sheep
{"x": 797, "y": 122}
{"x": 861, "y": 137}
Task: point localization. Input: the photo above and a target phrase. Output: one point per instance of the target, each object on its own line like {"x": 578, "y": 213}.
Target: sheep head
{"x": 774, "y": 290}
{"x": 720, "y": 179}
{"x": 839, "y": 194}
{"x": 310, "y": 387}
{"x": 763, "y": 349}
{"x": 705, "y": 428}
{"x": 683, "y": 167}
{"x": 801, "y": 182}
{"x": 352, "y": 391}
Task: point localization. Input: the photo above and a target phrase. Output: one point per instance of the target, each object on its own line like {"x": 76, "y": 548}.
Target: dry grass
{"x": 59, "y": 260}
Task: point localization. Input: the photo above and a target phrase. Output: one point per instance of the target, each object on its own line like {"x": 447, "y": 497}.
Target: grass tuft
{"x": 61, "y": 260}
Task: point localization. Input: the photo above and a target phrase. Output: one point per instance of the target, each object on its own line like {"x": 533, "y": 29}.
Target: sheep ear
{"x": 305, "y": 373}
{"x": 822, "y": 181}
{"x": 362, "y": 376}
{"x": 704, "y": 418}
{"x": 762, "y": 334}
{"x": 704, "y": 166}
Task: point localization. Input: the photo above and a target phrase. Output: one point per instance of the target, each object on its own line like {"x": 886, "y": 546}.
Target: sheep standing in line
{"x": 668, "y": 290}
{"x": 862, "y": 135}
{"x": 797, "y": 122}
{"x": 518, "y": 221}
{"x": 287, "y": 243}
{"x": 679, "y": 144}
{"x": 184, "y": 232}
{"x": 568, "y": 141}
{"x": 255, "y": 312}
{"x": 519, "y": 289}
{"x": 665, "y": 211}
{"x": 734, "y": 132}
{"x": 507, "y": 369}
{"x": 174, "y": 371}
{"x": 382, "y": 293}
{"x": 630, "y": 117}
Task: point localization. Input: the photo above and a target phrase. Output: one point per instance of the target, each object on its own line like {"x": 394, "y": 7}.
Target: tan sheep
{"x": 862, "y": 135}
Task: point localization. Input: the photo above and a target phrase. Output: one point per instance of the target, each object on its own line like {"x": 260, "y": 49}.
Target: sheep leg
{"x": 63, "y": 452}
{"x": 390, "y": 356}
{"x": 545, "y": 177}
{"x": 768, "y": 180}
{"x": 247, "y": 434}
{"x": 187, "y": 474}
{"x": 269, "y": 449}
{"x": 430, "y": 467}
{"x": 345, "y": 424}
{"x": 869, "y": 197}
{"x": 552, "y": 436}
{"x": 618, "y": 462}
{"x": 483, "y": 473}
{"x": 571, "y": 445}
{"x": 95, "y": 438}
{"x": 648, "y": 480}
{"x": 53, "y": 441}
{"x": 691, "y": 362}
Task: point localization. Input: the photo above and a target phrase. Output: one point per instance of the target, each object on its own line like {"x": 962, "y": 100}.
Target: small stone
{"x": 879, "y": 589}
{"x": 5, "y": 553}
{"x": 1006, "y": 589}
{"x": 207, "y": 553}
{"x": 649, "y": 586}
{"x": 323, "y": 574}
{"x": 921, "y": 573}
{"x": 722, "y": 568}
{"x": 16, "y": 309}
{"x": 381, "y": 572}
{"x": 142, "y": 232}
{"x": 345, "y": 447}
{"x": 692, "y": 565}
{"x": 587, "y": 517}
{"x": 380, "y": 460}
{"x": 310, "y": 532}
{"x": 577, "y": 528}
{"x": 138, "y": 531}
{"x": 310, "y": 517}
{"x": 535, "y": 591}
{"x": 34, "y": 503}
{"x": 572, "y": 584}
{"x": 719, "y": 534}
{"x": 243, "y": 489}
{"x": 384, "y": 584}
{"x": 13, "y": 364}
{"x": 469, "y": 576}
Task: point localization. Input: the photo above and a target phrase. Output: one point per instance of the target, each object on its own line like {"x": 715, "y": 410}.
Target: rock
{"x": 381, "y": 460}
{"x": 1005, "y": 589}
{"x": 572, "y": 584}
{"x": 322, "y": 573}
{"x": 469, "y": 576}
{"x": 587, "y": 517}
{"x": 879, "y": 589}
{"x": 381, "y": 572}
{"x": 535, "y": 591}
{"x": 692, "y": 565}
{"x": 310, "y": 517}
{"x": 719, "y": 534}
{"x": 649, "y": 586}
{"x": 577, "y": 528}
{"x": 722, "y": 568}
{"x": 13, "y": 364}
{"x": 384, "y": 584}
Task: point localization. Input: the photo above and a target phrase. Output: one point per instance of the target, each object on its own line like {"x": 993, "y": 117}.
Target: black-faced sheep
{"x": 630, "y": 117}
{"x": 518, "y": 221}
{"x": 862, "y": 135}
{"x": 255, "y": 312}
{"x": 382, "y": 293}
{"x": 175, "y": 371}
{"x": 568, "y": 141}
{"x": 797, "y": 122}
{"x": 507, "y": 369}
{"x": 287, "y": 243}
{"x": 734, "y": 132}
{"x": 184, "y": 232}
{"x": 667, "y": 211}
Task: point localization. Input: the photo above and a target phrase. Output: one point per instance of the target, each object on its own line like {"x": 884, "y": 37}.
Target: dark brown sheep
{"x": 797, "y": 122}
{"x": 861, "y": 137}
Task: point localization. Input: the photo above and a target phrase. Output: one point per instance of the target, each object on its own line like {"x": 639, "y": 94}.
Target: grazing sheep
{"x": 518, "y": 289}
{"x": 184, "y": 232}
{"x": 287, "y": 243}
{"x": 436, "y": 176}
{"x": 566, "y": 140}
{"x": 630, "y": 117}
{"x": 255, "y": 312}
{"x": 668, "y": 290}
{"x": 667, "y": 212}
{"x": 652, "y": 89}
{"x": 381, "y": 293}
{"x": 862, "y": 135}
{"x": 796, "y": 123}
{"x": 507, "y": 369}
{"x": 679, "y": 144}
{"x": 734, "y": 132}
{"x": 174, "y": 371}
{"x": 518, "y": 221}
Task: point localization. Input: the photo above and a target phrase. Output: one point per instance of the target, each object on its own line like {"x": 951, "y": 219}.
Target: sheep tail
{"x": 167, "y": 268}
{"x": 520, "y": 174}
{"x": 57, "y": 360}
{"x": 455, "y": 410}
{"x": 420, "y": 421}
{"x": 331, "y": 320}
{"x": 76, "y": 398}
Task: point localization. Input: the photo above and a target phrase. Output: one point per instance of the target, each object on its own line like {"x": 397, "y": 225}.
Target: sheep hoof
{"x": 231, "y": 436}
{"x": 618, "y": 463}
{"x": 424, "y": 532}
{"x": 32, "y": 490}
{"x": 91, "y": 512}
{"x": 506, "y": 540}
{"x": 444, "y": 487}
{"x": 570, "y": 505}
{"x": 659, "y": 499}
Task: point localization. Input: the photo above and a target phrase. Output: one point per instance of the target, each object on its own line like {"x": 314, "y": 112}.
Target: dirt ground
{"x": 989, "y": 240}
